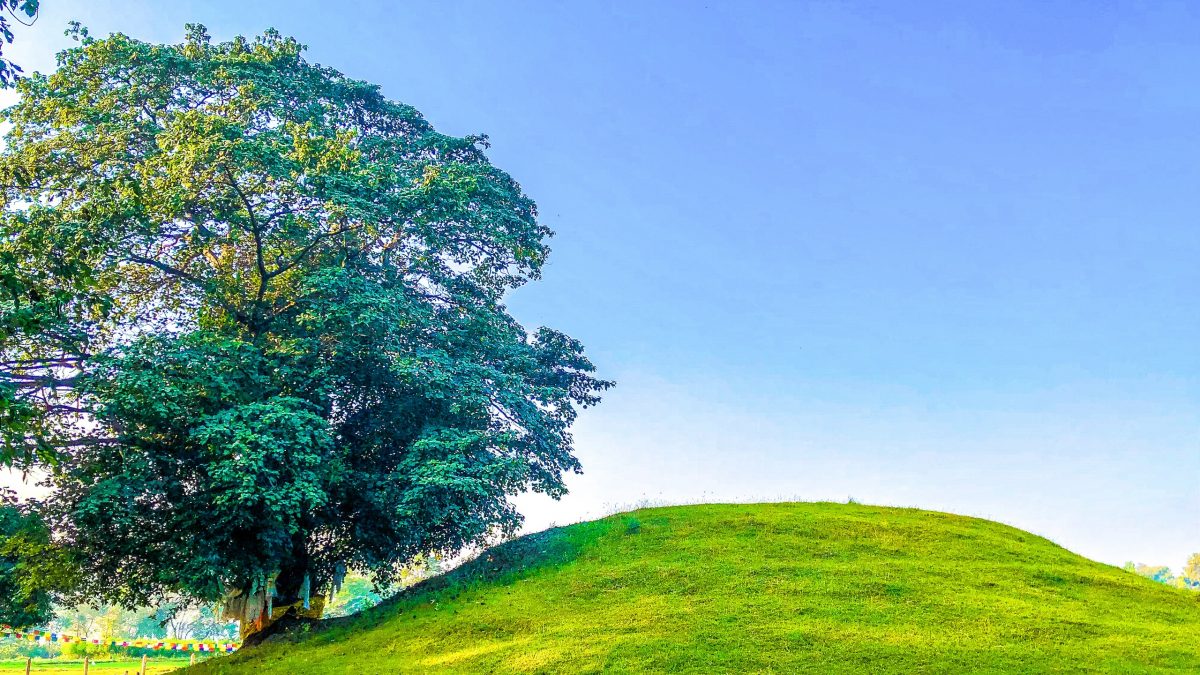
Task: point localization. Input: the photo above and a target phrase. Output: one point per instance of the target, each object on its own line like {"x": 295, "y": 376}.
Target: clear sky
{"x": 925, "y": 254}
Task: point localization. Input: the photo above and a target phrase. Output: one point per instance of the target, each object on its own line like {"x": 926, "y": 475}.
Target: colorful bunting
{"x": 171, "y": 645}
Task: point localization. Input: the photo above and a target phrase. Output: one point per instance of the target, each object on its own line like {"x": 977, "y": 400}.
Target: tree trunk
{"x": 292, "y": 598}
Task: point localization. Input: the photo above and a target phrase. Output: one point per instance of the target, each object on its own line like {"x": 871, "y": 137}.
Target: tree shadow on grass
{"x": 499, "y": 565}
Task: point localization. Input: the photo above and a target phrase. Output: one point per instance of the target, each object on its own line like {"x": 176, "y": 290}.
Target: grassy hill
{"x": 784, "y": 588}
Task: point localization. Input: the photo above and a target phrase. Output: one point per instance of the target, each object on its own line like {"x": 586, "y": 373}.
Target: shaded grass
{"x": 783, "y": 588}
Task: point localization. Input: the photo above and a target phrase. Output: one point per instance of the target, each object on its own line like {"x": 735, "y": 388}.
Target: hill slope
{"x": 763, "y": 588}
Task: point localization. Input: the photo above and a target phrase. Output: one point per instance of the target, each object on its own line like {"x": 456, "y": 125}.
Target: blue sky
{"x": 941, "y": 255}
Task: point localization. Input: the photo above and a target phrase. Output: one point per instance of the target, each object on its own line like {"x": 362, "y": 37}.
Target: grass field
{"x": 57, "y": 667}
{"x": 772, "y": 588}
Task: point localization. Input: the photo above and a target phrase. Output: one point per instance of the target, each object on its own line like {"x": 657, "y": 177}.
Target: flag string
{"x": 175, "y": 645}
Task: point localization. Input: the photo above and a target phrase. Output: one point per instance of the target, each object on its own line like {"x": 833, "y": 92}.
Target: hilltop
{"x": 803, "y": 587}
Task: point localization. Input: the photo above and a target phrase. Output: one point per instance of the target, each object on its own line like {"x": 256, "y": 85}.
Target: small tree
{"x": 1191, "y": 572}
{"x": 252, "y": 323}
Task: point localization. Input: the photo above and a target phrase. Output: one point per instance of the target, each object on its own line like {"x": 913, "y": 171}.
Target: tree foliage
{"x": 1191, "y": 571}
{"x": 10, "y": 71}
{"x": 1163, "y": 574}
{"x": 27, "y": 569}
{"x": 252, "y": 319}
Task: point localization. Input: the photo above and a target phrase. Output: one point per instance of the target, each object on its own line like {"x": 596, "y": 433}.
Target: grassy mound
{"x": 785, "y": 588}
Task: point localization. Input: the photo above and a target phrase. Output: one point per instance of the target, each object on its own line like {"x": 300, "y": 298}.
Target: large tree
{"x": 252, "y": 324}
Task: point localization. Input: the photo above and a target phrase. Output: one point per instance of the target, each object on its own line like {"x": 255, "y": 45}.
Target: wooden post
{"x": 143, "y": 670}
{"x": 28, "y": 665}
{"x": 86, "y": 663}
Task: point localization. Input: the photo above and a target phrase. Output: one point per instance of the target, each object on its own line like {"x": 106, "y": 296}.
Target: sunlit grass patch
{"x": 821, "y": 588}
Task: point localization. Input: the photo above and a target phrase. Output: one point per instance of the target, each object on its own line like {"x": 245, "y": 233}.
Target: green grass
{"x": 59, "y": 667}
{"x": 771, "y": 588}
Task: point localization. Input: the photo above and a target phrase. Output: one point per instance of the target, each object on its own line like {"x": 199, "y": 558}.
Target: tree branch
{"x": 263, "y": 277}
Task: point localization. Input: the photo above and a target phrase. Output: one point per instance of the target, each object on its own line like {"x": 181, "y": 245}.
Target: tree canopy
{"x": 252, "y": 323}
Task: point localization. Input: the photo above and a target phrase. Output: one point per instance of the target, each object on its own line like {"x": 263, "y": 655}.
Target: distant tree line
{"x": 1190, "y": 578}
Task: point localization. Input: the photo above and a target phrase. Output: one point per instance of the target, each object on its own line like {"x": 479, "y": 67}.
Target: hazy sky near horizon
{"x": 939, "y": 254}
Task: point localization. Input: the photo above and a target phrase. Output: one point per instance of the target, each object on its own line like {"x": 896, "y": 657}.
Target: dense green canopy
{"x": 252, "y": 320}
